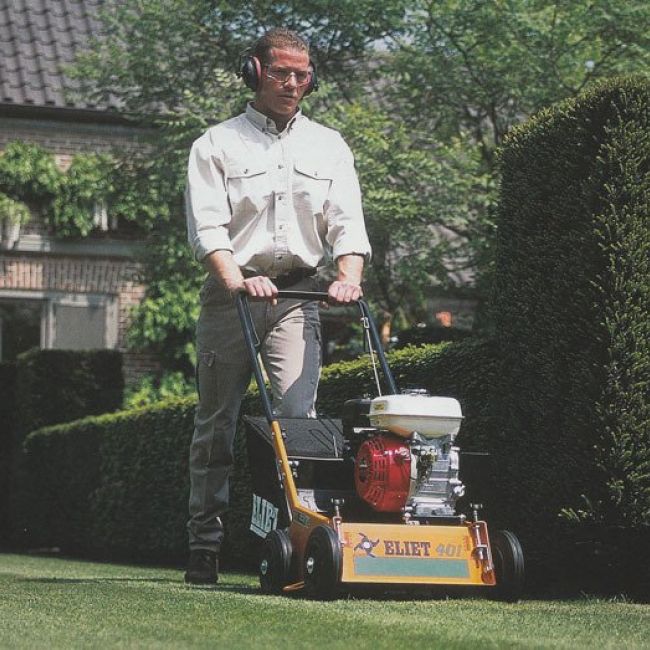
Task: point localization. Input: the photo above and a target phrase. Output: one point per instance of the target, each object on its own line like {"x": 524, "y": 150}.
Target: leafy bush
{"x": 150, "y": 389}
{"x": 13, "y": 211}
{"x": 67, "y": 199}
{"x": 87, "y": 183}
{"x": 573, "y": 289}
{"x": 28, "y": 172}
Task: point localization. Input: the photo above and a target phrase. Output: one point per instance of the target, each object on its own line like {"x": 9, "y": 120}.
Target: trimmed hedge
{"x": 7, "y": 414}
{"x": 116, "y": 486}
{"x": 573, "y": 291}
{"x": 56, "y": 386}
{"x": 50, "y": 387}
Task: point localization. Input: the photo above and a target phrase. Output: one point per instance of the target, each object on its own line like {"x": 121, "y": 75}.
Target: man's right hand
{"x": 261, "y": 287}
{"x": 221, "y": 264}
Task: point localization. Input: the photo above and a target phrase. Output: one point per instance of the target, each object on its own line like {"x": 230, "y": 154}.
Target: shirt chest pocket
{"x": 249, "y": 189}
{"x": 311, "y": 184}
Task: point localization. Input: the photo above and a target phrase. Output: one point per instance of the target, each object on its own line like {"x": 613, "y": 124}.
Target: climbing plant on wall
{"x": 67, "y": 200}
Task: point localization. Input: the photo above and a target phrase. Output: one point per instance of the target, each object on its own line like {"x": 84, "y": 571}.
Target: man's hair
{"x": 280, "y": 38}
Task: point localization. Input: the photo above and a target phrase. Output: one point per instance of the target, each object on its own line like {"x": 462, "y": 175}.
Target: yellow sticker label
{"x": 399, "y": 553}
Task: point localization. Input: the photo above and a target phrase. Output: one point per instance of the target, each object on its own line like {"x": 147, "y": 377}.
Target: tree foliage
{"x": 68, "y": 200}
{"x": 421, "y": 206}
{"x": 14, "y": 212}
{"x": 480, "y": 67}
{"x": 424, "y": 92}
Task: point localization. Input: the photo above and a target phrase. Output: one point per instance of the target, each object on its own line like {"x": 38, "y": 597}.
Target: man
{"x": 270, "y": 197}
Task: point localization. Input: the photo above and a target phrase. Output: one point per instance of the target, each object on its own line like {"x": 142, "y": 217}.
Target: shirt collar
{"x": 266, "y": 124}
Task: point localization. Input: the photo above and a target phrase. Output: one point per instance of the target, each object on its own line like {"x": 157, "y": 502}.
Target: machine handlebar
{"x": 253, "y": 344}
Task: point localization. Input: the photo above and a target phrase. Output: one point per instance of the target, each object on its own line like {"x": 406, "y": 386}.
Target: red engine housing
{"x": 382, "y": 472}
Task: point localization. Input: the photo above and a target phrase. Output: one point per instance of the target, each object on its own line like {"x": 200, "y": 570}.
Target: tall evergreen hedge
{"x": 572, "y": 301}
{"x": 54, "y": 386}
{"x": 7, "y": 414}
{"x": 116, "y": 486}
{"x": 50, "y": 387}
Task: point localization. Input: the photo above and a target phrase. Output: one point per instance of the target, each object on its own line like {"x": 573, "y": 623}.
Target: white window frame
{"x": 48, "y": 301}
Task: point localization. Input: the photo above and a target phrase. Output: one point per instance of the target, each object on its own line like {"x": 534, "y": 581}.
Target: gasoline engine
{"x": 406, "y": 459}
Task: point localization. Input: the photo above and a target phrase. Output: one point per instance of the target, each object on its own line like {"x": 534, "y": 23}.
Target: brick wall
{"x": 44, "y": 273}
{"x": 64, "y": 139}
{"x": 89, "y": 274}
{"x": 136, "y": 365}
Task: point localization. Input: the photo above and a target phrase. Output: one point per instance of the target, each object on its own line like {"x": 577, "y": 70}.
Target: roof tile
{"x": 38, "y": 38}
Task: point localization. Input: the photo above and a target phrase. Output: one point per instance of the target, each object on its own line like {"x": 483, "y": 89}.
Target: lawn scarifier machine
{"x": 369, "y": 499}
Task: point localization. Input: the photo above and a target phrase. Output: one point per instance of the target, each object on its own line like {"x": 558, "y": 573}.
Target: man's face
{"x": 279, "y": 99}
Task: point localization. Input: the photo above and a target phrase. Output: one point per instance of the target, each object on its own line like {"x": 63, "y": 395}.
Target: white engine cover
{"x": 431, "y": 417}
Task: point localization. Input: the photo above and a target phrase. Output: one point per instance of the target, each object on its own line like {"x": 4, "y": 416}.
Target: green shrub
{"x": 13, "y": 211}
{"x": 140, "y": 506}
{"x": 573, "y": 290}
{"x": 128, "y": 497}
{"x": 58, "y": 482}
{"x": 27, "y": 171}
{"x": 56, "y": 386}
{"x": 7, "y": 414}
{"x": 150, "y": 389}
{"x": 51, "y": 387}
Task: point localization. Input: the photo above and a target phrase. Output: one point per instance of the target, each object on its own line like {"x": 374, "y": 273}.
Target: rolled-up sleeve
{"x": 206, "y": 201}
{"x": 346, "y": 230}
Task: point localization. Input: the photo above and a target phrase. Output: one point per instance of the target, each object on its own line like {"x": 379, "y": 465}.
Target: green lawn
{"x": 57, "y": 603}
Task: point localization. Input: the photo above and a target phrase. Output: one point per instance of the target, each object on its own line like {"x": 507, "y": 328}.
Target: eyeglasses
{"x": 282, "y": 76}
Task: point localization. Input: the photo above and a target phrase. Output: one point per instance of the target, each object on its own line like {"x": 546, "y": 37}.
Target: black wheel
{"x": 322, "y": 563}
{"x": 508, "y": 558}
{"x": 275, "y": 562}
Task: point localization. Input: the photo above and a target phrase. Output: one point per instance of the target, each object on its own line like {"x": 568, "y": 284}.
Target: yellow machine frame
{"x": 407, "y": 552}
{"x": 391, "y": 553}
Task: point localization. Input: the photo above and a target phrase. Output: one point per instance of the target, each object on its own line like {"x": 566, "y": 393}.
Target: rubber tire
{"x": 275, "y": 562}
{"x": 508, "y": 558}
{"x": 322, "y": 563}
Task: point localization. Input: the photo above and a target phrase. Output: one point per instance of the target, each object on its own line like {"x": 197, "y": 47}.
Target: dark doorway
{"x": 20, "y": 327}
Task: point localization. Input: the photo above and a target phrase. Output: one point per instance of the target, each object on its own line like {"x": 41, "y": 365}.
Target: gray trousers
{"x": 291, "y": 351}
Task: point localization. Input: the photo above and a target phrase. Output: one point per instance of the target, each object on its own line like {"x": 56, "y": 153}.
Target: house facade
{"x": 72, "y": 293}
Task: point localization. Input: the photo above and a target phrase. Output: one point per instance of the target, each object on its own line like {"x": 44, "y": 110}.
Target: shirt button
{"x": 280, "y": 166}
{"x": 279, "y": 198}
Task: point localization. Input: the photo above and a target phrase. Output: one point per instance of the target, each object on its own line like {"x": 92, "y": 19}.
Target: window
{"x": 81, "y": 322}
{"x": 79, "y": 327}
{"x": 56, "y": 320}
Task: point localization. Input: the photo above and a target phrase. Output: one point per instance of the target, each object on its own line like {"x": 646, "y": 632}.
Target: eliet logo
{"x": 367, "y": 545}
{"x": 407, "y": 548}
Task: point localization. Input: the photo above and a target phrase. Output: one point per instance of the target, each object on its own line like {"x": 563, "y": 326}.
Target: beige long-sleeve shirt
{"x": 277, "y": 201}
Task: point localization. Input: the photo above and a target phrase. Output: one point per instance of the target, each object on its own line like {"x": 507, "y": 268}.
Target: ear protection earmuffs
{"x": 250, "y": 71}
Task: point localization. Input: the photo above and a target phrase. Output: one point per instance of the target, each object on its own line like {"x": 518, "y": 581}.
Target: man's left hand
{"x": 343, "y": 293}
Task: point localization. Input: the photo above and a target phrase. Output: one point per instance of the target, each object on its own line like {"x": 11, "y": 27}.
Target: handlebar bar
{"x": 303, "y": 295}
{"x": 321, "y": 296}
